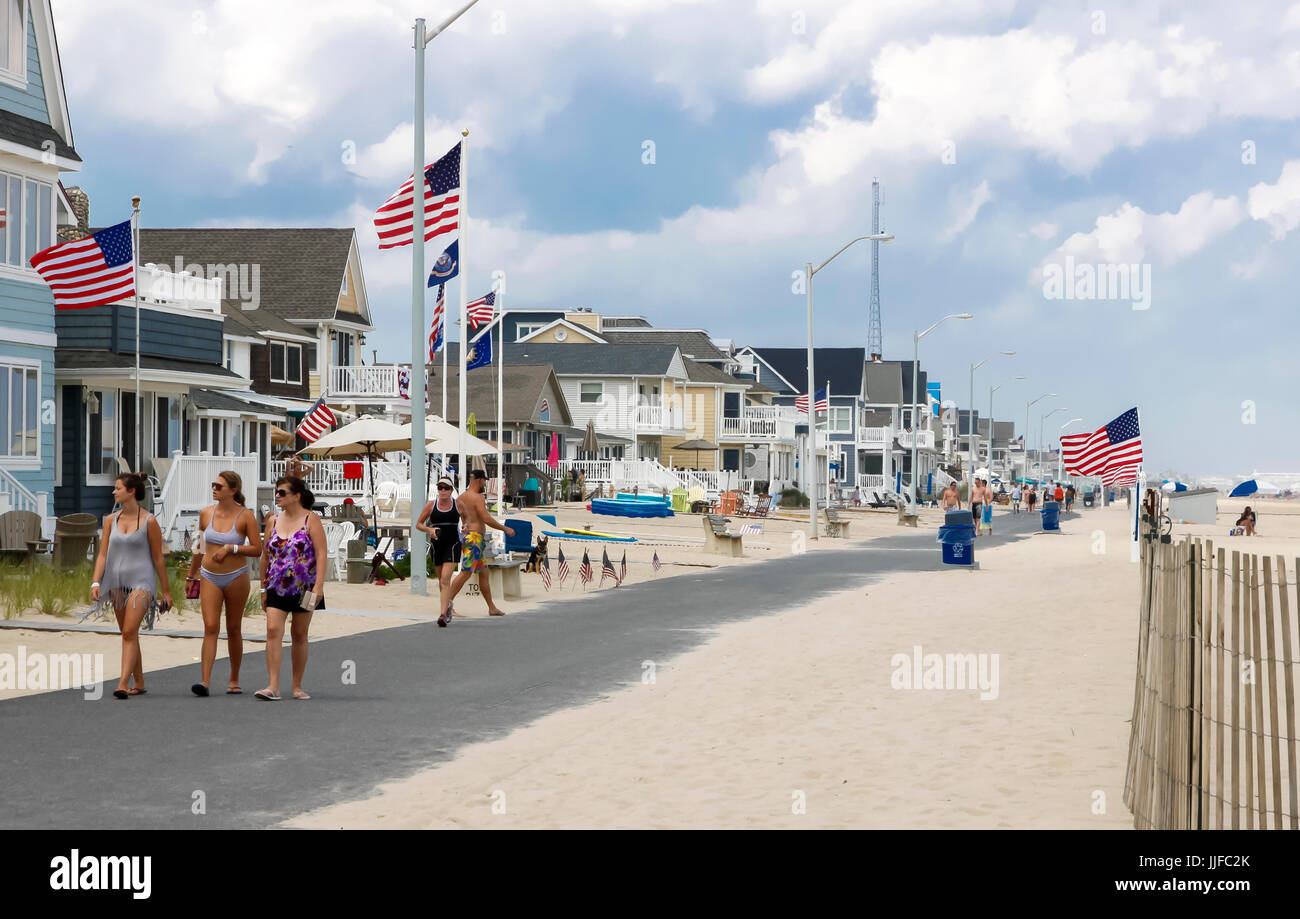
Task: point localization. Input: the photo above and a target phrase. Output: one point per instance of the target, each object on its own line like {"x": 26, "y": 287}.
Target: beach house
{"x": 36, "y": 147}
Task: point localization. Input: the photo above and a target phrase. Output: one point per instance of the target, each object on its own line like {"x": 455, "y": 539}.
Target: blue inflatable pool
{"x": 630, "y": 507}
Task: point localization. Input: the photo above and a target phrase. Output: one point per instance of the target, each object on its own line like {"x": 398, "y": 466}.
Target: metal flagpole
{"x": 418, "y": 349}
{"x": 810, "y": 484}
{"x": 828, "y": 445}
{"x": 442, "y": 290}
{"x": 463, "y": 274}
{"x": 501, "y": 360}
{"x": 135, "y": 285}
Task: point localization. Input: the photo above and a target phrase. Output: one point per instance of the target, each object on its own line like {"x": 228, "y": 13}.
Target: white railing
{"x": 326, "y": 476}
{"x": 870, "y": 481}
{"x": 188, "y": 487}
{"x": 714, "y": 481}
{"x": 364, "y": 382}
{"x": 15, "y": 496}
{"x": 659, "y": 418}
{"x": 924, "y": 439}
{"x": 645, "y": 473}
{"x": 761, "y": 422}
{"x": 875, "y": 437}
{"x": 158, "y": 285}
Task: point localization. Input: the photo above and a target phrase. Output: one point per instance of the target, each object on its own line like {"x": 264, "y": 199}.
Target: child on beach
{"x": 1015, "y": 499}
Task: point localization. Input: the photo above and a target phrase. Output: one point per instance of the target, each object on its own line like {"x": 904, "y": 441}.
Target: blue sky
{"x": 1007, "y": 136}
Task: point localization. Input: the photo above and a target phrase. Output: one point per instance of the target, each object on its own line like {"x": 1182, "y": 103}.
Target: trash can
{"x": 957, "y": 538}
{"x": 1051, "y": 515}
{"x": 1087, "y": 499}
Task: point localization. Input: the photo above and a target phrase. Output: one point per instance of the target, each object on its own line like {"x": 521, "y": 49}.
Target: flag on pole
{"x": 622, "y": 568}
{"x": 395, "y": 219}
{"x": 823, "y": 404}
{"x": 316, "y": 422}
{"x": 1117, "y": 444}
{"x": 479, "y": 354}
{"x": 545, "y": 569}
{"x": 435, "y": 330}
{"x": 447, "y": 266}
{"x": 563, "y": 565}
{"x": 481, "y": 310}
{"x": 404, "y": 383}
{"x": 584, "y": 572}
{"x": 607, "y": 568}
{"x": 1120, "y": 476}
{"x": 91, "y": 271}
{"x": 655, "y": 563}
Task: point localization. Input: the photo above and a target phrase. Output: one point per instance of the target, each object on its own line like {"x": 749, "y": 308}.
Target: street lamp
{"x": 916, "y": 421}
{"x": 1041, "y": 419}
{"x": 419, "y": 354}
{"x": 1046, "y": 395}
{"x": 811, "y": 445}
{"x": 1060, "y": 453}
{"x": 972, "y": 430}
{"x": 992, "y": 390}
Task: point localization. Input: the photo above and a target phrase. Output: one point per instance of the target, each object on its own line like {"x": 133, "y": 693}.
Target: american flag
{"x": 395, "y": 219}
{"x": 584, "y": 571}
{"x": 1119, "y": 476}
{"x": 316, "y": 422}
{"x": 1115, "y": 445}
{"x": 823, "y": 404}
{"x": 4, "y": 217}
{"x": 563, "y": 565}
{"x": 545, "y": 569}
{"x": 91, "y": 271}
{"x": 546, "y": 406}
{"x": 481, "y": 310}
{"x": 404, "y": 383}
{"x": 435, "y": 331}
{"x": 607, "y": 568}
{"x": 622, "y": 568}
{"x": 655, "y": 563}
{"x": 751, "y": 529}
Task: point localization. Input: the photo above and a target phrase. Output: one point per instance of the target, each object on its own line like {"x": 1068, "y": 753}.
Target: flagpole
{"x": 463, "y": 274}
{"x": 442, "y": 289}
{"x": 419, "y": 203}
{"x": 501, "y": 360}
{"x": 135, "y": 286}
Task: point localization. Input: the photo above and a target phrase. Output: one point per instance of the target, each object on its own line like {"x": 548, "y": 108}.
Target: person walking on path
{"x": 976, "y": 503}
{"x": 129, "y": 573}
{"x": 1069, "y": 497}
{"x": 1059, "y": 494}
{"x": 230, "y": 533}
{"x": 1015, "y": 498}
{"x": 294, "y": 562}
{"x": 1031, "y": 498}
{"x": 441, "y": 521}
{"x": 951, "y": 497}
{"x": 475, "y": 519}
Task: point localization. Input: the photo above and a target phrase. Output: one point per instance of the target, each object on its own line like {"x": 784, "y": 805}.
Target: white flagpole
{"x": 462, "y": 222}
{"x": 501, "y": 360}
{"x": 419, "y": 201}
{"x": 135, "y": 266}
{"x": 443, "y": 290}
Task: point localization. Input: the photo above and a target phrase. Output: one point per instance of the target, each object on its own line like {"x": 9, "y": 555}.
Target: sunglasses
{"x": 282, "y": 493}
{"x": 217, "y": 486}
{"x": 444, "y": 488}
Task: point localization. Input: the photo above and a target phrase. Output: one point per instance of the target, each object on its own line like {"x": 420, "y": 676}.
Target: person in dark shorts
{"x": 1031, "y": 498}
{"x": 442, "y": 523}
{"x": 976, "y": 503}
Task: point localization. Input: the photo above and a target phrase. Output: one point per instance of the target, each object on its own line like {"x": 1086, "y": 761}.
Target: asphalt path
{"x": 420, "y": 694}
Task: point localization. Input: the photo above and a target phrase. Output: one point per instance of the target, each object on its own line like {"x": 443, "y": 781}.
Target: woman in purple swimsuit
{"x": 222, "y": 573}
{"x": 294, "y": 561}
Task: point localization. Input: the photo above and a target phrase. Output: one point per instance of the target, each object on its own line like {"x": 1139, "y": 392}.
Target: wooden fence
{"x": 1212, "y": 743}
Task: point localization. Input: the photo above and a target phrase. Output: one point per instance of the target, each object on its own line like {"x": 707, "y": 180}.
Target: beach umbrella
{"x": 280, "y": 437}
{"x": 697, "y": 446}
{"x": 368, "y": 437}
{"x": 589, "y": 444}
{"x": 1245, "y": 489}
{"x": 1266, "y": 488}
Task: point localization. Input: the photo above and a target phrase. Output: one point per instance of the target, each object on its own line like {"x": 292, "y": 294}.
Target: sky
{"x": 1113, "y": 193}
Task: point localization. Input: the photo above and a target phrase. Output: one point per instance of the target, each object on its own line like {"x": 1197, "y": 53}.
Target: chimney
{"x": 80, "y": 202}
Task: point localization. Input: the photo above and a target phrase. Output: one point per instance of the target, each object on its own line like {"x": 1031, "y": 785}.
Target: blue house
{"x": 36, "y": 147}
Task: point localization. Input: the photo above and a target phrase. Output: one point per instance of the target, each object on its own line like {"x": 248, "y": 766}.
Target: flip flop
{"x": 301, "y": 696}
{"x": 266, "y": 696}
{"x": 136, "y": 691}
{"x": 444, "y": 619}
{"x": 121, "y": 694}
{"x": 234, "y": 691}
{"x": 199, "y": 690}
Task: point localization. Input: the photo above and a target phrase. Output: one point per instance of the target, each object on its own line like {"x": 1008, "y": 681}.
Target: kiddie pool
{"x": 632, "y": 506}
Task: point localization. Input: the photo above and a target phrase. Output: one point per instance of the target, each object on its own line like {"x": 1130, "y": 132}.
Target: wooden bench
{"x": 503, "y": 579}
{"x": 905, "y": 518}
{"x": 717, "y": 541}
{"x": 836, "y": 526}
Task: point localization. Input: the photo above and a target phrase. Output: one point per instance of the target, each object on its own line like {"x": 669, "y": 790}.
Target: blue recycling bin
{"x": 957, "y": 538}
{"x": 522, "y": 541}
{"x": 1051, "y": 515}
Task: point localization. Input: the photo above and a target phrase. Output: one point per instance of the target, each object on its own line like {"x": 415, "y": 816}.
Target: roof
{"x": 623, "y": 322}
{"x": 695, "y": 343}
{"x": 95, "y": 359}
{"x": 594, "y": 359}
{"x": 905, "y": 368}
{"x": 216, "y": 401}
{"x": 884, "y": 383}
{"x": 756, "y": 387}
{"x": 841, "y": 366}
{"x": 705, "y": 373}
{"x": 523, "y": 385}
{"x": 300, "y": 270}
{"x": 31, "y": 133}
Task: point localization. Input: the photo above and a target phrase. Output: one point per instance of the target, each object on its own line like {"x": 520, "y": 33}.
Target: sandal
{"x": 234, "y": 691}
{"x": 136, "y": 691}
{"x": 266, "y": 695}
{"x": 301, "y": 696}
{"x": 199, "y": 690}
{"x": 121, "y": 694}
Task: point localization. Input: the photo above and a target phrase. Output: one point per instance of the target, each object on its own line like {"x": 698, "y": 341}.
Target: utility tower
{"x": 874, "y": 337}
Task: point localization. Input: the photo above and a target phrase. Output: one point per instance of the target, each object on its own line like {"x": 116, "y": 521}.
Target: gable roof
{"x": 595, "y": 359}
{"x": 30, "y": 133}
{"x": 523, "y": 387}
{"x": 586, "y": 333}
{"x": 300, "y": 270}
{"x": 697, "y": 372}
{"x": 841, "y": 366}
{"x": 694, "y": 343}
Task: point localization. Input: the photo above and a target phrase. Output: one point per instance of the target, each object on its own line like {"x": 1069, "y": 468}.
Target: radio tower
{"x": 874, "y": 347}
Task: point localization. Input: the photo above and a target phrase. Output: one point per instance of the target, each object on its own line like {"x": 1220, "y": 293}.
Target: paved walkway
{"x": 421, "y": 693}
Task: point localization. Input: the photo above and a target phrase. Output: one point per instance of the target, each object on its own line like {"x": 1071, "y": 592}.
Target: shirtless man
{"x": 951, "y": 497}
{"x": 475, "y": 519}
{"x": 976, "y": 502}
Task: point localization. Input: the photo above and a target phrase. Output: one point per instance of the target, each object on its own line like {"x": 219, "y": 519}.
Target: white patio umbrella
{"x": 368, "y": 437}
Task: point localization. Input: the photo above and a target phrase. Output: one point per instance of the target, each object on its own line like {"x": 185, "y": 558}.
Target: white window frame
{"x": 834, "y": 412}
{"x": 22, "y": 462}
{"x": 582, "y": 400}
{"x": 102, "y": 478}
{"x": 17, "y": 76}
{"x": 271, "y": 362}
{"x": 524, "y": 329}
{"x": 24, "y": 271}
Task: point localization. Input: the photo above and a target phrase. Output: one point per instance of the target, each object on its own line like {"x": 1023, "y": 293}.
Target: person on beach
{"x": 976, "y": 503}
{"x": 1015, "y": 498}
{"x": 129, "y": 572}
{"x": 1031, "y": 498}
{"x": 475, "y": 519}
{"x": 441, "y": 521}
{"x": 986, "y": 518}
{"x": 294, "y": 561}
{"x": 296, "y": 468}
{"x": 951, "y": 497}
{"x": 229, "y": 534}
{"x": 1059, "y": 494}
{"x": 1069, "y": 497}
{"x": 1247, "y": 521}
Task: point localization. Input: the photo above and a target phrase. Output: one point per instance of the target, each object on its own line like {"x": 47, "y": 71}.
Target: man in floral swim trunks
{"x": 475, "y": 517}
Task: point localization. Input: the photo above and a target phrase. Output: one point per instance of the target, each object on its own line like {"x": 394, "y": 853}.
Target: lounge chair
{"x": 73, "y": 536}
{"x": 20, "y": 535}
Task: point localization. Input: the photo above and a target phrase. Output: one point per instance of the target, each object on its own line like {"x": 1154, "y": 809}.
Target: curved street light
{"x": 915, "y": 485}
{"x": 1060, "y": 453}
{"x": 972, "y": 430}
{"x": 1046, "y": 395}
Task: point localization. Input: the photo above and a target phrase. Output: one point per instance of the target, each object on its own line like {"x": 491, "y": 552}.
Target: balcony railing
{"x": 760, "y": 423}
{"x": 879, "y": 438}
{"x": 167, "y": 288}
{"x": 924, "y": 439}
{"x": 364, "y": 382}
{"x": 660, "y": 417}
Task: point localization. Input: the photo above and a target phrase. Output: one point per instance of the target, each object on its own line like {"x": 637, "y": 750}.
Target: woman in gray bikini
{"x": 230, "y": 533}
{"x": 129, "y": 572}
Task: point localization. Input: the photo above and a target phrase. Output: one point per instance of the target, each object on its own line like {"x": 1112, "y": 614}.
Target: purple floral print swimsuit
{"x": 292, "y": 569}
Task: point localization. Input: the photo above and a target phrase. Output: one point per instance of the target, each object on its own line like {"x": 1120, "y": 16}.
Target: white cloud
{"x": 978, "y": 198}
{"x": 1044, "y": 230}
{"x": 1278, "y": 204}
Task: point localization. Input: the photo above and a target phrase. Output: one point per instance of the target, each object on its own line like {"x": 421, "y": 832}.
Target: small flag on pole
{"x": 545, "y": 569}
{"x": 435, "y": 331}
{"x": 316, "y": 422}
{"x": 607, "y": 568}
{"x": 622, "y": 568}
{"x": 562, "y": 565}
{"x": 447, "y": 266}
{"x": 584, "y": 572}
{"x": 395, "y": 219}
{"x": 481, "y": 310}
{"x": 823, "y": 404}
{"x": 89, "y": 272}
{"x": 655, "y": 563}
{"x": 479, "y": 354}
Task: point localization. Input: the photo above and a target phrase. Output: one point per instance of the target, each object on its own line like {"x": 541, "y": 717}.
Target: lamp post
{"x": 972, "y": 429}
{"x": 811, "y": 445}
{"x": 1041, "y": 440}
{"x": 992, "y": 390}
{"x": 1060, "y": 451}
{"x": 419, "y": 352}
{"x": 916, "y": 420}
{"x": 1046, "y": 395}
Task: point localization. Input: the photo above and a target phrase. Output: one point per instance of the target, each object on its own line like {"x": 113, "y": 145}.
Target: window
{"x": 841, "y": 419}
{"x": 591, "y": 393}
{"x": 20, "y": 422}
{"x": 524, "y": 329}
{"x": 28, "y": 208}
{"x": 13, "y": 38}
{"x": 230, "y": 355}
{"x": 341, "y": 347}
{"x": 311, "y": 358}
{"x": 286, "y": 363}
{"x": 101, "y": 427}
{"x": 343, "y": 289}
